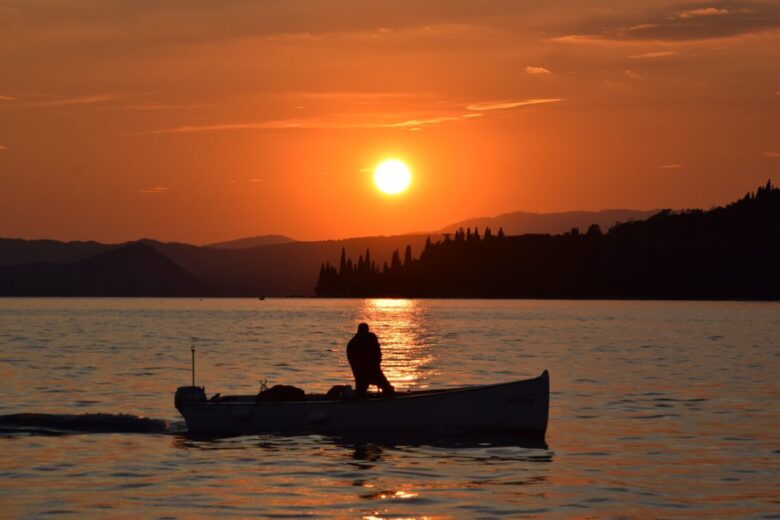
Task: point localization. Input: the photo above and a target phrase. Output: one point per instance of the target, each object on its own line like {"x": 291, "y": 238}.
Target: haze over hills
{"x": 514, "y": 223}
{"x": 243, "y": 243}
{"x": 283, "y": 269}
{"x": 17, "y": 251}
{"x": 522, "y": 222}
{"x": 270, "y": 265}
{"x": 134, "y": 269}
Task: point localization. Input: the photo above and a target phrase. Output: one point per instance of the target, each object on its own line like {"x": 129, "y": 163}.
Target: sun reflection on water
{"x": 402, "y": 327}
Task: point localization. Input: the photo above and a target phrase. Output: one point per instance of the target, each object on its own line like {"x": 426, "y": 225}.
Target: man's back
{"x": 364, "y": 353}
{"x": 365, "y": 357}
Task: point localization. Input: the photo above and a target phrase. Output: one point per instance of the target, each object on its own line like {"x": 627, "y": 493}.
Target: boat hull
{"x": 519, "y": 407}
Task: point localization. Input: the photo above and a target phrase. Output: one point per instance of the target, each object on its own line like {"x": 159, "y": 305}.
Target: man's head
{"x": 363, "y": 328}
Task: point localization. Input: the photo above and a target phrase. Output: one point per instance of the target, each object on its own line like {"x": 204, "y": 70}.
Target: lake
{"x": 658, "y": 409}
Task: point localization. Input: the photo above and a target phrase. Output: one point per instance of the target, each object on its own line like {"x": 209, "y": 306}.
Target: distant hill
{"x": 130, "y": 270}
{"x": 16, "y": 251}
{"x": 286, "y": 269}
{"x": 521, "y": 222}
{"x": 237, "y": 268}
{"x": 245, "y": 243}
{"x": 730, "y": 252}
{"x": 277, "y": 269}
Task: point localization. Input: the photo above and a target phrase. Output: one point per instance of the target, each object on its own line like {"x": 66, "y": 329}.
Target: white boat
{"x": 520, "y": 407}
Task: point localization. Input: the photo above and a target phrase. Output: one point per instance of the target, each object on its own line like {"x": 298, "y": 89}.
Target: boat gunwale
{"x": 243, "y": 400}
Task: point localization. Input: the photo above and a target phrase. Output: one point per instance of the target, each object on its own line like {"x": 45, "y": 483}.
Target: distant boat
{"x": 520, "y": 407}
{"x": 261, "y": 297}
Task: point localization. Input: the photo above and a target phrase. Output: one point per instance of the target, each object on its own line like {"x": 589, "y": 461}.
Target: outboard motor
{"x": 189, "y": 394}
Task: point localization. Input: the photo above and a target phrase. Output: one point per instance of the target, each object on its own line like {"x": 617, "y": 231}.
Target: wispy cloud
{"x": 502, "y": 105}
{"x": 315, "y": 124}
{"x": 359, "y": 120}
{"x": 671, "y": 166}
{"x": 113, "y": 101}
{"x": 150, "y": 107}
{"x": 3, "y": 147}
{"x": 356, "y": 95}
{"x": 155, "y": 189}
{"x": 702, "y": 11}
{"x": 773, "y": 154}
{"x": 257, "y": 125}
{"x": 424, "y": 121}
{"x": 438, "y": 32}
{"x": 682, "y": 23}
{"x": 83, "y": 100}
{"x": 632, "y": 75}
{"x": 654, "y": 54}
{"x": 530, "y": 69}
{"x": 255, "y": 179}
{"x": 578, "y": 38}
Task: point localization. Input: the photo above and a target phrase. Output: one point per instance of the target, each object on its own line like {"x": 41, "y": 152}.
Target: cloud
{"x": 702, "y": 11}
{"x": 653, "y": 55}
{"x": 155, "y": 189}
{"x": 632, "y": 75}
{"x": 105, "y": 101}
{"x": 772, "y": 154}
{"x": 152, "y": 107}
{"x": 255, "y": 179}
{"x": 3, "y": 147}
{"x": 682, "y": 22}
{"x": 84, "y": 100}
{"x": 614, "y": 84}
{"x": 150, "y": 23}
{"x": 359, "y": 96}
{"x": 258, "y": 125}
{"x": 289, "y": 124}
{"x": 578, "y": 38}
{"x": 671, "y": 166}
{"x": 356, "y": 121}
{"x": 536, "y": 70}
{"x": 424, "y": 121}
{"x": 502, "y": 105}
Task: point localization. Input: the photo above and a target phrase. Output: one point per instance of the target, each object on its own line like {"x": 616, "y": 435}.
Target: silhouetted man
{"x": 365, "y": 356}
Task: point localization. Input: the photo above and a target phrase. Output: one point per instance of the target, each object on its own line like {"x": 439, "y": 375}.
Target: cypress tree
{"x": 395, "y": 262}
{"x": 343, "y": 262}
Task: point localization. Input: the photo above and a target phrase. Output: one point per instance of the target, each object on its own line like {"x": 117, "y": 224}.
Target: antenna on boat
{"x": 193, "y": 364}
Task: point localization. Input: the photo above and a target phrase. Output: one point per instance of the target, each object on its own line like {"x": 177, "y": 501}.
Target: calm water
{"x": 658, "y": 409}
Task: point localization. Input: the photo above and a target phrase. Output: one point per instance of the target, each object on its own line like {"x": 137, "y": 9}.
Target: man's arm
{"x": 376, "y": 348}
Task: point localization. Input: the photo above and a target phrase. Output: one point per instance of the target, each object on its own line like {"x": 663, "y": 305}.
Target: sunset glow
{"x": 116, "y": 119}
{"x": 392, "y": 176}
{"x": 334, "y": 257}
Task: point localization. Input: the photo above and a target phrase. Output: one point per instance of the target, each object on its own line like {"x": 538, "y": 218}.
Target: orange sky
{"x": 212, "y": 120}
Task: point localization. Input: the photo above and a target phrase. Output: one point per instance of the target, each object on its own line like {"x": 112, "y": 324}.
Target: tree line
{"x": 730, "y": 252}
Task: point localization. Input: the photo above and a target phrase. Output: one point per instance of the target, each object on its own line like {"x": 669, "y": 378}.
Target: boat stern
{"x": 189, "y": 394}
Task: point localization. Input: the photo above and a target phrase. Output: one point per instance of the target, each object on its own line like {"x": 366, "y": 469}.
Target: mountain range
{"x": 269, "y": 265}
{"x": 522, "y": 222}
{"x": 729, "y": 252}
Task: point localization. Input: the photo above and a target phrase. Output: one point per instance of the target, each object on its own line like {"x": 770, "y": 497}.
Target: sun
{"x": 392, "y": 176}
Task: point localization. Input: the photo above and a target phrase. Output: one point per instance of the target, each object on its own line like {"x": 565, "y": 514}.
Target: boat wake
{"x": 61, "y": 424}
